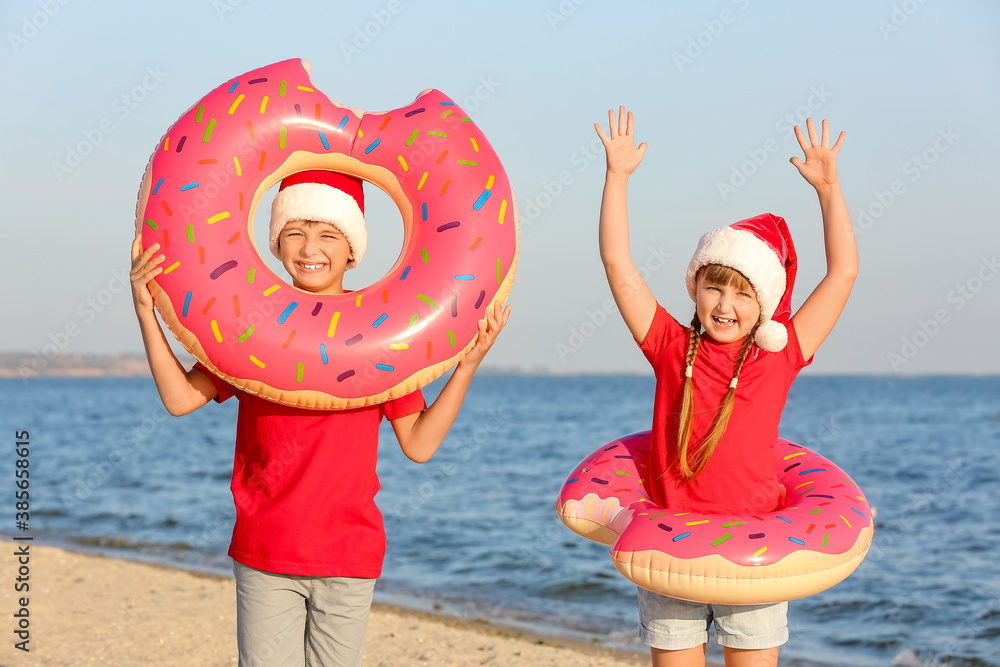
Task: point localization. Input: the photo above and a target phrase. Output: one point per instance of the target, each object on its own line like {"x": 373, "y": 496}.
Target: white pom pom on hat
{"x": 761, "y": 249}
{"x": 322, "y": 196}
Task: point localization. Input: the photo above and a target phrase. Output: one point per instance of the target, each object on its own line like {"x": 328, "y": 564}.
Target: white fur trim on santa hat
{"x": 756, "y": 260}
{"x": 742, "y": 250}
{"x": 320, "y": 203}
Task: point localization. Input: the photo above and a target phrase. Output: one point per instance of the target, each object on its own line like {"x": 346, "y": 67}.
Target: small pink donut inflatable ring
{"x": 820, "y": 535}
{"x": 261, "y": 334}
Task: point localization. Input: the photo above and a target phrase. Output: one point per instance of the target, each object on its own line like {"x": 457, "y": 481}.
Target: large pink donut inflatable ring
{"x": 256, "y": 331}
{"x": 813, "y": 542}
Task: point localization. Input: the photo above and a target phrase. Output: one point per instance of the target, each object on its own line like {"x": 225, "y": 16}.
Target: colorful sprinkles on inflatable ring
{"x": 820, "y": 535}
{"x": 255, "y": 330}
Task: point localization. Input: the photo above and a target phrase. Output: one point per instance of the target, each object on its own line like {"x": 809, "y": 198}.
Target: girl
{"x": 713, "y": 445}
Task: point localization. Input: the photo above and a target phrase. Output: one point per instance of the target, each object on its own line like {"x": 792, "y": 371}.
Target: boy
{"x": 309, "y": 542}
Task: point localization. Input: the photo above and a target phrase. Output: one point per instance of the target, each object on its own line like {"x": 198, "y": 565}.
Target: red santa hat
{"x": 322, "y": 196}
{"x": 761, "y": 249}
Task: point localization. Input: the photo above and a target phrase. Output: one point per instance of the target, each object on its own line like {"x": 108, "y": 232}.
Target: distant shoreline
{"x": 27, "y": 365}
{"x": 34, "y": 365}
{"x": 31, "y": 365}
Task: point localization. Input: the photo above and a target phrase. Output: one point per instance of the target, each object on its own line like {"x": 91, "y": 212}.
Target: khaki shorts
{"x": 290, "y": 621}
{"x": 671, "y": 625}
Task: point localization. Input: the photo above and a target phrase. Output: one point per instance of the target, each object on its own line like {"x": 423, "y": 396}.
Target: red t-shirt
{"x": 740, "y": 477}
{"x": 304, "y": 484}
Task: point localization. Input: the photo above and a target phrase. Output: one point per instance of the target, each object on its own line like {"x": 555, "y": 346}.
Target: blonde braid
{"x": 686, "y": 425}
{"x": 707, "y": 447}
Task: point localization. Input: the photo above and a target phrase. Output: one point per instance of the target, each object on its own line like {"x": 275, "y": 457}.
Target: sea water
{"x": 474, "y": 532}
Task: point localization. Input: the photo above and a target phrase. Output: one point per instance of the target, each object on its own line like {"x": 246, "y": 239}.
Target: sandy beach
{"x": 92, "y": 610}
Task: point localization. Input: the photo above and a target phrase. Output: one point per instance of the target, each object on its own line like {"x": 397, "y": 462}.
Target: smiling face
{"x": 315, "y": 254}
{"x": 726, "y": 303}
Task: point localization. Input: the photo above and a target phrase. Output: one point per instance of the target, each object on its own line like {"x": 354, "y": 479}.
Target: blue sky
{"x": 713, "y": 86}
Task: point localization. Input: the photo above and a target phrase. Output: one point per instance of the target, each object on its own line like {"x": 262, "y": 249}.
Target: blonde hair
{"x": 692, "y": 460}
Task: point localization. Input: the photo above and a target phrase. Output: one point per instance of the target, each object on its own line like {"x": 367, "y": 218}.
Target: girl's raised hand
{"x": 144, "y": 269}
{"x": 820, "y": 166}
{"x": 623, "y": 156}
